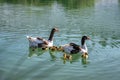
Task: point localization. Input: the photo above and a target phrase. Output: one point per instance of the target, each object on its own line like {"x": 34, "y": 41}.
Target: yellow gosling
{"x": 53, "y": 48}
{"x": 65, "y": 56}
{"x": 45, "y": 48}
{"x": 85, "y": 55}
{"x": 60, "y": 48}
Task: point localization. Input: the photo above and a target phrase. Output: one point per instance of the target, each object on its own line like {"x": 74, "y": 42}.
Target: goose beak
{"x": 88, "y": 38}
{"x": 57, "y": 30}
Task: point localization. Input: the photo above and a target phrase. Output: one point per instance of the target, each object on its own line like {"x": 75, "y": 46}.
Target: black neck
{"x": 51, "y": 35}
{"x": 82, "y": 41}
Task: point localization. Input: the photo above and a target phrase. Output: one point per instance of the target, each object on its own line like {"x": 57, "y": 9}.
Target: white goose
{"x": 40, "y": 42}
{"x": 73, "y": 48}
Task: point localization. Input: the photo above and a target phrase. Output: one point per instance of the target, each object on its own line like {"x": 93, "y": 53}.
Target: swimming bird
{"x": 40, "y": 42}
{"x": 53, "y": 48}
{"x": 73, "y": 48}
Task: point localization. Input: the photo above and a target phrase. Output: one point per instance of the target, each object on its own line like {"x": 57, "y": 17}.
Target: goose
{"x": 40, "y": 42}
{"x": 73, "y": 48}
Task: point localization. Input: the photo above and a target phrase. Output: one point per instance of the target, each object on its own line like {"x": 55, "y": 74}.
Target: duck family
{"x": 68, "y": 49}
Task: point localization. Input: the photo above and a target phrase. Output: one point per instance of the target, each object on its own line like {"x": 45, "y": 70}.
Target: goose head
{"x": 83, "y": 44}
{"x": 55, "y": 30}
{"x": 84, "y": 38}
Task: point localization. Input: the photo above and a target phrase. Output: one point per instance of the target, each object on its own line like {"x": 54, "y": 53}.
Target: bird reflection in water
{"x": 36, "y": 51}
{"x": 53, "y": 55}
{"x": 84, "y": 61}
{"x": 74, "y": 58}
{"x": 66, "y": 58}
{"x": 57, "y": 53}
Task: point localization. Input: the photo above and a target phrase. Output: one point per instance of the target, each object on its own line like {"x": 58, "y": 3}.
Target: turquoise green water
{"x": 99, "y": 19}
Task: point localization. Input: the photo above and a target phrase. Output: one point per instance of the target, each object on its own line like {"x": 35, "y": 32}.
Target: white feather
{"x": 33, "y": 42}
{"x": 50, "y": 43}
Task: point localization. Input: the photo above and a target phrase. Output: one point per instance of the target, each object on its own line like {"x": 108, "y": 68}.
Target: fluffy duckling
{"x": 60, "y": 49}
{"x": 53, "y": 48}
{"x": 84, "y": 55}
{"x": 67, "y": 56}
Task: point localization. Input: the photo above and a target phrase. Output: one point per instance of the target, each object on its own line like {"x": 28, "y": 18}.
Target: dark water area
{"x": 98, "y": 19}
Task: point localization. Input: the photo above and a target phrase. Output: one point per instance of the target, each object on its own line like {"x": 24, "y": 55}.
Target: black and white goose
{"x": 40, "y": 42}
{"x": 73, "y": 48}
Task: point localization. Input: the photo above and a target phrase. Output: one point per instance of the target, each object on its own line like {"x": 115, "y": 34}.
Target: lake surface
{"x": 99, "y": 19}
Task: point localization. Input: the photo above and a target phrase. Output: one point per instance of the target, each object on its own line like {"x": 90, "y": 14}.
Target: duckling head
{"x": 60, "y": 48}
{"x": 44, "y": 48}
{"x": 65, "y": 56}
{"x": 53, "y": 48}
{"x": 85, "y": 55}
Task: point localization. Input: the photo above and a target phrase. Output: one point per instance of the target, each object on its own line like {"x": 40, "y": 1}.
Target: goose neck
{"x": 51, "y": 35}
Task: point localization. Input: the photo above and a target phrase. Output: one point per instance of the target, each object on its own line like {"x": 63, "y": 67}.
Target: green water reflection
{"x": 70, "y": 4}
{"x": 75, "y": 4}
{"x": 57, "y": 55}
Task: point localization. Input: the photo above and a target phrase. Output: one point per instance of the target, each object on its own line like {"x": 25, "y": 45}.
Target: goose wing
{"x": 37, "y": 40}
{"x": 71, "y": 48}
{"x": 75, "y": 46}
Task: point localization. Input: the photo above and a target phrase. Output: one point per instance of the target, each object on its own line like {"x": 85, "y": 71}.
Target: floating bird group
{"x": 68, "y": 49}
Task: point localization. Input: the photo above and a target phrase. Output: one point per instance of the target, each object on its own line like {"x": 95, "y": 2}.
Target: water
{"x": 98, "y": 19}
